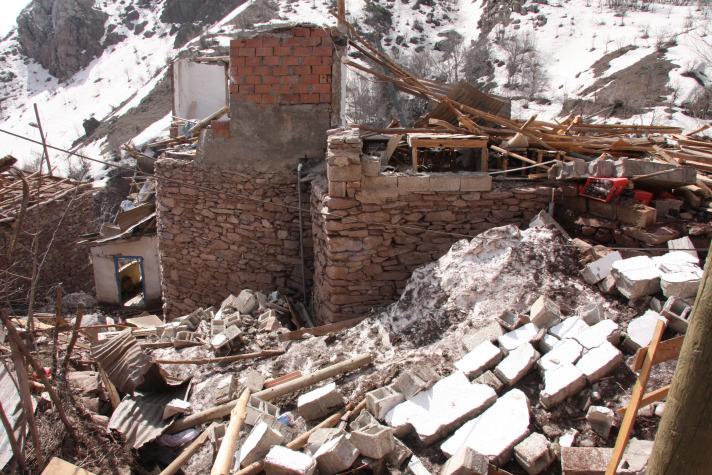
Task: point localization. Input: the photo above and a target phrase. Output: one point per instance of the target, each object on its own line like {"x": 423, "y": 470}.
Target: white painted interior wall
{"x": 198, "y": 89}
{"x": 102, "y": 257}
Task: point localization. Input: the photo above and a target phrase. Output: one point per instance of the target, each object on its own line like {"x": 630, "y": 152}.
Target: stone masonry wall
{"x": 66, "y": 263}
{"x": 222, "y": 231}
{"x": 371, "y": 230}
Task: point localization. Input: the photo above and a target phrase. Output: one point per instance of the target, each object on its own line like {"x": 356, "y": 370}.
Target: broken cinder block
{"x": 533, "y": 453}
{"x": 466, "y": 461}
{"x": 599, "y": 361}
{"x": 336, "y": 455}
{"x": 601, "y": 419}
{"x": 374, "y": 441}
{"x": 381, "y": 400}
{"x": 320, "y": 402}
{"x": 260, "y": 440}
{"x": 517, "y": 364}
{"x": 544, "y": 313}
{"x": 283, "y": 461}
{"x": 420, "y": 378}
{"x": 560, "y": 383}
{"x": 483, "y": 357}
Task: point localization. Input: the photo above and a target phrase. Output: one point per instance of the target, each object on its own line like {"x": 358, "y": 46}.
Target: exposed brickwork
{"x": 369, "y": 229}
{"x": 290, "y": 66}
{"x": 66, "y": 263}
{"x": 233, "y": 233}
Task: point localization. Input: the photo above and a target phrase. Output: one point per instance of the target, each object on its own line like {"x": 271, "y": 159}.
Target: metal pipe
{"x": 301, "y": 233}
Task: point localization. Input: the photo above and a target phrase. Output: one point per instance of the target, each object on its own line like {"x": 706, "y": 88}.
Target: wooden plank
{"x": 667, "y": 350}
{"x": 321, "y": 330}
{"x": 635, "y": 399}
{"x": 649, "y": 398}
{"x": 57, "y": 466}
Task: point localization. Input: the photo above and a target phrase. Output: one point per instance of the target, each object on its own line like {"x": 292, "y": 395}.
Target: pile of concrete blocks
{"x": 228, "y": 341}
{"x": 680, "y": 274}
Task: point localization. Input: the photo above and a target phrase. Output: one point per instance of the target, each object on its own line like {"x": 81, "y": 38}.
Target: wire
{"x": 297, "y": 208}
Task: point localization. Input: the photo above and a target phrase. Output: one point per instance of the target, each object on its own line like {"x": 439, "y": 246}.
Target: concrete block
{"x": 416, "y": 467}
{"x": 603, "y": 210}
{"x": 517, "y": 364}
{"x": 637, "y": 215}
{"x": 548, "y": 343}
{"x": 640, "y": 330}
{"x": 533, "y": 453}
{"x": 601, "y": 419}
{"x": 283, "y": 461}
{"x": 488, "y": 378}
{"x": 261, "y": 439}
{"x": 350, "y": 172}
{"x": 413, "y": 183}
{"x": 594, "y": 460}
{"x": 445, "y": 182}
{"x": 568, "y": 328}
{"x": 592, "y": 313}
{"x": 599, "y": 269}
{"x": 374, "y": 441}
{"x": 364, "y": 419}
{"x": 568, "y": 352}
{"x": 447, "y": 404}
{"x": 466, "y": 461}
{"x": 683, "y": 244}
{"x": 370, "y": 165}
{"x": 254, "y": 380}
{"x": 336, "y": 455}
{"x": 607, "y": 286}
{"x": 320, "y": 437}
{"x": 596, "y": 335}
{"x": 479, "y": 360}
{"x": 675, "y": 177}
{"x": 381, "y": 400}
{"x": 677, "y": 312}
{"x": 471, "y": 181}
{"x": 560, "y": 383}
{"x": 320, "y": 402}
{"x": 496, "y": 431}
{"x": 511, "y": 321}
{"x": 568, "y": 438}
{"x": 602, "y": 168}
{"x": 522, "y": 335}
{"x": 544, "y": 313}
{"x": 176, "y": 406}
{"x": 682, "y": 284}
{"x": 420, "y": 378}
{"x": 600, "y": 361}
{"x": 636, "y": 277}
{"x": 491, "y": 331}
{"x": 245, "y": 303}
{"x": 256, "y": 408}
{"x": 85, "y": 382}
{"x": 399, "y": 455}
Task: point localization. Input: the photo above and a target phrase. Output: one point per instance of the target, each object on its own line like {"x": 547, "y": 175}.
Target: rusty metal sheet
{"x": 11, "y": 403}
{"x": 123, "y": 360}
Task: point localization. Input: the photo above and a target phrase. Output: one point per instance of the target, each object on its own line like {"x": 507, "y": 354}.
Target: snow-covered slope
{"x": 585, "y": 50}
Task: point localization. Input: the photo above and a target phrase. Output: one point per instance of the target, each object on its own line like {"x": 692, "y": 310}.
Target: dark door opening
{"x": 130, "y": 280}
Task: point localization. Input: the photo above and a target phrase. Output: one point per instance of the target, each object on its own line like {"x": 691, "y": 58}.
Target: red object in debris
{"x": 643, "y": 197}
{"x": 603, "y": 189}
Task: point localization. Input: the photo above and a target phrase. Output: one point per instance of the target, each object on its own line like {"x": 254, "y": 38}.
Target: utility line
{"x": 297, "y": 208}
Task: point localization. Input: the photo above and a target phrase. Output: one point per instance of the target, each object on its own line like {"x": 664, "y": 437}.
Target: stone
{"x": 592, "y": 313}
{"x": 336, "y": 455}
{"x": 320, "y": 437}
{"x": 479, "y": 360}
{"x": 568, "y": 328}
{"x": 594, "y": 460}
{"x": 516, "y": 338}
{"x": 410, "y": 383}
{"x": 496, "y": 431}
{"x": 637, "y": 215}
{"x": 413, "y": 183}
{"x": 601, "y": 419}
{"x": 491, "y": 331}
{"x": 660, "y": 409}
{"x": 599, "y": 269}
{"x": 652, "y": 235}
{"x": 607, "y": 286}
{"x": 445, "y": 182}
{"x": 600, "y": 361}
{"x": 636, "y": 277}
{"x": 474, "y": 181}
{"x": 381, "y": 400}
{"x": 517, "y": 364}
{"x": 548, "y": 343}
{"x": 568, "y": 438}
{"x": 320, "y": 402}
{"x": 488, "y": 378}
{"x": 569, "y": 351}
{"x": 561, "y": 383}
{"x": 254, "y": 380}
{"x": 85, "y": 382}
{"x": 641, "y": 329}
{"x": 683, "y": 244}
{"x": 466, "y": 461}
{"x": 677, "y": 312}
{"x": 260, "y": 440}
{"x": 596, "y": 335}
{"x": 544, "y": 313}
{"x": 416, "y": 467}
{"x": 283, "y": 461}
{"x": 533, "y": 453}
{"x": 176, "y": 406}
{"x": 374, "y": 441}
{"x": 437, "y": 410}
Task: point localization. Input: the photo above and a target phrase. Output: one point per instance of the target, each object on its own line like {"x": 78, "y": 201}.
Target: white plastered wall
{"x": 199, "y": 89}
{"x": 102, "y": 257}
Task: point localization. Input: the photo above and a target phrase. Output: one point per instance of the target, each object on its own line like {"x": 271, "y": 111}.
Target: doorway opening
{"x": 130, "y": 280}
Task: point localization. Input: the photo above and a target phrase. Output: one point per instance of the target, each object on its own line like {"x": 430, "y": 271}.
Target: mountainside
{"x": 639, "y": 61}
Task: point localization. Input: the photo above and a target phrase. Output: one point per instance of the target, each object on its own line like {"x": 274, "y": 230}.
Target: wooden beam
{"x": 649, "y": 398}
{"x": 667, "y": 350}
{"x": 321, "y": 330}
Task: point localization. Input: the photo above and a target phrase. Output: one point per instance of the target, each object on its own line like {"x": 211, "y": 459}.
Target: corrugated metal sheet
{"x": 123, "y": 360}
{"x": 139, "y": 418}
{"x": 12, "y": 405}
{"x": 465, "y": 93}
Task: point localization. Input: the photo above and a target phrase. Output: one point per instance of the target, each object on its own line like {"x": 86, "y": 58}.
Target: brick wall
{"x": 289, "y": 66}
{"x": 370, "y": 228}
{"x": 237, "y": 231}
{"x": 66, "y": 263}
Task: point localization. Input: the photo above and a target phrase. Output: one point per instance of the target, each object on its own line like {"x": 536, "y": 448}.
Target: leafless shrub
{"x": 34, "y": 164}
{"x": 79, "y": 169}
{"x": 364, "y": 102}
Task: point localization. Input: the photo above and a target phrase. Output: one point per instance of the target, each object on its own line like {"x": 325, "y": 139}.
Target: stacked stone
{"x": 370, "y": 228}
{"x": 221, "y": 232}
{"x": 62, "y": 222}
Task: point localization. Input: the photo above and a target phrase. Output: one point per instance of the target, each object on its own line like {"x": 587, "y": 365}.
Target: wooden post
{"x": 226, "y": 454}
{"x": 341, "y": 11}
{"x": 55, "y": 330}
{"x": 73, "y": 339}
{"x": 44, "y": 140}
{"x": 684, "y": 437}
